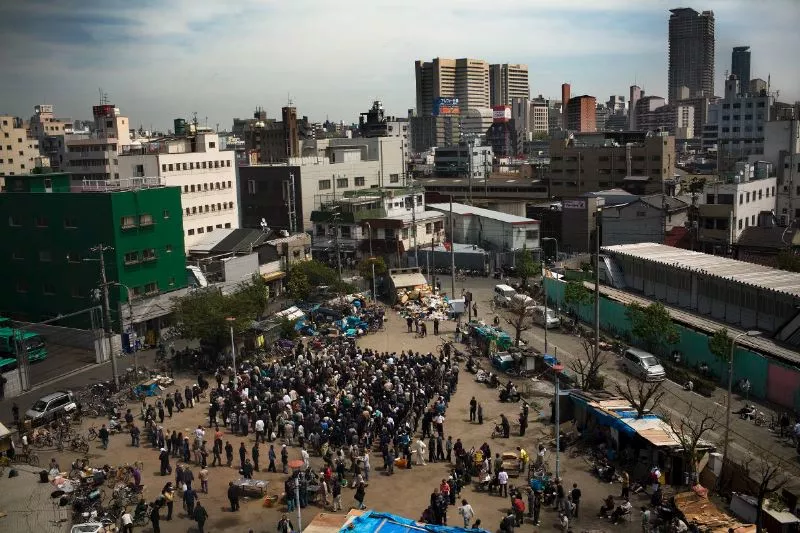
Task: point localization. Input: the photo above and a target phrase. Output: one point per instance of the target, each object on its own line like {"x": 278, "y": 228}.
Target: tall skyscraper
{"x": 465, "y": 79}
{"x": 635, "y": 95}
{"x": 506, "y": 82}
{"x": 740, "y": 67}
{"x": 691, "y": 52}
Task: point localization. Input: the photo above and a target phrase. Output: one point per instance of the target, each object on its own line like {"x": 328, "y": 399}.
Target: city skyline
{"x": 158, "y": 61}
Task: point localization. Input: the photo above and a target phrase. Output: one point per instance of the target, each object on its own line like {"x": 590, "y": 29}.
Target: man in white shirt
{"x": 199, "y": 434}
{"x": 502, "y": 479}
{"x": 127, "y": 522}
{"x": 419, "y": 450}
{"x": 259, "y": 430}
{"x": 467, "y": 513}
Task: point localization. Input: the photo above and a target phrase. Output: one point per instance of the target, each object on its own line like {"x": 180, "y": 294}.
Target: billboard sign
{"x": 105, "y": 110}
{"x": 445, "y": 106}
{"x": 501, "y": 113}
{"x": 574, "y": 204}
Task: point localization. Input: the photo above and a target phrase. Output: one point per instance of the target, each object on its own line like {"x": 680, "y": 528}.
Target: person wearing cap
{"x": 163, "y": 457}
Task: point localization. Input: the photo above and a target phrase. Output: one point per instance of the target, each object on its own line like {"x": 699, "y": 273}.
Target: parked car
{"x": 503, "y": 294}
{"x": 643, "y": 365}
{"x": 51, "y": 406}
{"x": 503, "y": 361}
{"x": 545, "y": 317}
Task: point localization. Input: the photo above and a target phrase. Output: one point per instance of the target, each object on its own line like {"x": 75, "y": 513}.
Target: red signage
{"x": 106, "y": 111}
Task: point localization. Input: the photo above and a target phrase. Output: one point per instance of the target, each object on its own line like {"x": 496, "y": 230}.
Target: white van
{"x": 503, "y": 294}
{"x": 643, "y": 365}
{"x": 545, "y": 317}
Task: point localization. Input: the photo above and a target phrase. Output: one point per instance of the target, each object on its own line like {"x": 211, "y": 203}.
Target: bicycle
{"x": 93, "y": 433}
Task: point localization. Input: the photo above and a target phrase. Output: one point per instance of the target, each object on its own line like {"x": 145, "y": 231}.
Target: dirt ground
{"x": 406, "y": 493}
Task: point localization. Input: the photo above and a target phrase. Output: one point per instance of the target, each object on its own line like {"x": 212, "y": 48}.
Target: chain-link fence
{"x": 42, "y": 351}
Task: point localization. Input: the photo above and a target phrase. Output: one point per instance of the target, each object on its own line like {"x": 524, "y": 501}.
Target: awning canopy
{"x": 272, "y": 276}
{"x": 414, "y": 279}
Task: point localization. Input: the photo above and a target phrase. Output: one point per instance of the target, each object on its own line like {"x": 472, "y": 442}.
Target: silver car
{"x": 51, "y": 406}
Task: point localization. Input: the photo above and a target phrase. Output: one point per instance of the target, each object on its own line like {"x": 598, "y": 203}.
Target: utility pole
{"x": 452, "y": 254}
{"x": 414, "y": 223}
{"x": 336, "y": 239}
{"x": 597, "y": 285}
{"x": 102, "y": 249}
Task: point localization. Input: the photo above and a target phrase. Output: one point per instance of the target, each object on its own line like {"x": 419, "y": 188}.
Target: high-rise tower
{"x": 691, "y": 52}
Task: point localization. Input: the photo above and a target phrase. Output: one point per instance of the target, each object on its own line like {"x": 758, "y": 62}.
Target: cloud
{"x": 159, "y": 60}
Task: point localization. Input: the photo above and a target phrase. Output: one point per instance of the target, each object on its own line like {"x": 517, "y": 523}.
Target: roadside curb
{"x": 68, "y": 375}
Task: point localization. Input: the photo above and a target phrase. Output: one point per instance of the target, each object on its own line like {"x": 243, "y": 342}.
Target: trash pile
{"x": 349, "y": 315}
{"x": 423, "y": 305}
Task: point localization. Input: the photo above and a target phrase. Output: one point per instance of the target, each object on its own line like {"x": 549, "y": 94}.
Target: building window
{"x": 230, "y": 205}
{"x": 75, "y": 292}
{"x": 149, "y": 254}
{"x": 22, "y": 285}
{"x": 190, "y": 232}
{"x": 168, "y": 248}
{"x": 204, "y": 164}
{"x": 151, "y": 288}
{"x": 229, "y": 184}
{"x": 205, "y": 186}
{"x": 228, "y": 163}
{"x": 191, "y": 187}
{"x": 359, "y": 181}
{"x": 194, "y": 210}
{"x": 169, "y": 167}
{"x": 41, "y": 222}
{"x": 428, "y": 228}
{"x": 131, "y": 258}
{"x": 346, "y": 233}
{"x": 405, "y": 233}
{"x": 17, "y": 255}
{"x": 127, "y": 222}
{"x": 146, "y": 219}
{"x": 209, "y": 229}
{"x": 219, "y": 206}
{"x": 188, "y": 211}
{"x": 216, "y": 164}
{"x": 201, "y": 230}
{"x": 740, "y": 223}
{"x": 165, "y": 213}
{"x": 227, "y": 225}
{"x": 186, "y": 188}
{"x": 342, "y": 182}
{"x": 394, "y": 178}
{"x": 13, "y": 221}
{"x": 324, "y": 185}
{"x": 741, "y": 198}
{"x": 48, "y": 288}
{"x": 251, "y": 186}
{"x": 73, "y": 257}
{"x": 44, "y": 256}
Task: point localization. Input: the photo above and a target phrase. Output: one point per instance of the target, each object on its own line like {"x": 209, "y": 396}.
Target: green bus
{"x": 11, "y": 338}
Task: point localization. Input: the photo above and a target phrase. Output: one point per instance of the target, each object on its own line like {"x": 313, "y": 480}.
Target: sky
{"x": 162, "y": 59}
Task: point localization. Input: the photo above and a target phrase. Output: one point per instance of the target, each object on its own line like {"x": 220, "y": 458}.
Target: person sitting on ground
{"x": 621, "y": 510}
{"x": 608, "y": 506}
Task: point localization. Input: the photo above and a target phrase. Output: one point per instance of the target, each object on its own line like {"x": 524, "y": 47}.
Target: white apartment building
{"x": 735, "y": 124}
{"x": 96, "y": 156}
{"x": 19, "y": 154}
{"x": 729, "y": 207}
{"x": 205, "y": 174}
{"x": 44, "y": 123}
{"x": 540, "y": 115}
{"x": 782, "y": 149}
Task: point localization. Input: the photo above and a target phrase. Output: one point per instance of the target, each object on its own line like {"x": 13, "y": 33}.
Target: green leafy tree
{"x": 305, "y": 276}
{"x": 365, "y": 267}
{"x": 298, "y": 285}
{"x": 652, "y": 325}
{"x": 526, "y": 267}
{"x": 286, "y": 328}
{"x": 203, "y": 313}
{"x": 720, "y": 345}
{"x": 575, "y": 295}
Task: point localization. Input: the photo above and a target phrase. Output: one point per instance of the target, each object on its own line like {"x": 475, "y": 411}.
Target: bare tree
{"x": 641, "y": 394}
{"x": 769, "y": 478}
{"x": 588, "y": 367}
{"x": 519, "y": 317}
{"x": 689, "y": 430}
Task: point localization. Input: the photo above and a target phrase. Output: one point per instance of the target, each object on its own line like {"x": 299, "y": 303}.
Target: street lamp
{"x": 751, "y": 333}
{"x": 231, "y": 320}
{"x": 372, "y": 260}
{"x": 544, "y": 286}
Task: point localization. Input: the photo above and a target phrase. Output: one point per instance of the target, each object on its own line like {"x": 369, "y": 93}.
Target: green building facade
{"x": 51, "y": 237}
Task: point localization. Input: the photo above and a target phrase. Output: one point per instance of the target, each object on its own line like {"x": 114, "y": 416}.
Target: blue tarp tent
{"x": 372, "y": 521}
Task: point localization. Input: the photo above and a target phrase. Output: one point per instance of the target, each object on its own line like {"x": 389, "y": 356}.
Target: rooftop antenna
{"x": 289, "y": 99}
{"x": 194, "y": 120}
{"x": 103, "y": 96}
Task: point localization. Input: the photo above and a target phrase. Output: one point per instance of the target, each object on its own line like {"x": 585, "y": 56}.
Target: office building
{"x": 601, "y": 116}
{"x": 268, "y": 140}
{"x": 503, "y": 135}
{"x": 782, "y": 150}
{"x": 691, "y": 52}
{"x": 465, "y": 79}
{"x": 463, "y": 160}
{"x": 205, "y": 175}
{"x": 506, "y": 82}
{"x": 654, "y": 114}
{"x": 475, "y": 121}
{"x": 19, "y": 153}
{"x": 757, "y": 86}
{"x": 616, "y": 104}
{"x": 636, "y": 93}
{"x": 95, "y": 156}
{"x": 581, "y": 114}
{"x": 540, "y": 116}
{"x": 700, "y": 104}
{"x": 740, "y": 66}
{"x": 639, "y": 163}
{"x": 430, "y": 131}
{"x": 284, "y": 195}
{"x": 736, "y": 124}
{"x": 51, "y": 225}
{"x": 565, "y": 96}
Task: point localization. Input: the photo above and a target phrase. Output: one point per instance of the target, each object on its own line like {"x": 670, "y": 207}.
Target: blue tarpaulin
{"x": 372, "y": 521}
{"x": 148, "y": 390}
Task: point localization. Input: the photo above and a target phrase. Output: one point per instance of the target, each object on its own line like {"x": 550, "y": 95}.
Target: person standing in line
{"x": 336, "y": 491}
{"x": 359, "y": 496}
{"x": 480, "y": 414}
{"x": 228, "y": 453}
{"x": 203, "y": 475}
{"x": 272, "y": 457}
{"x": 189, "y": 499}
{"x": 242, "y": 454}
{"x": 502, "y": 479}
{"x": 169, "y": 499}
{"x": 154, "y": 520}
{"x": 255, "y": 453}
{"x": 103, "y": 434}
{"x": 285, "y": 525}
{"x": 285, "y": 459}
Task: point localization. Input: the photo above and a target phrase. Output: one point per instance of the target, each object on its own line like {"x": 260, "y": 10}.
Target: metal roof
{"x": 464, "y": 209}
{"x": 750, "y": 274}
{"x": 413, "y": 279}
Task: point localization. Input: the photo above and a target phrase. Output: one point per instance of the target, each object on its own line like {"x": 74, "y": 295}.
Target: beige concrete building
{"x": 45, "y": 124}
{"x": 508, "y": 81}
{"x": 19, "y": 152}
{"x": 464, "y": 79}
{"x": 595, "y": 162}
{"x": 96, "y": 156}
